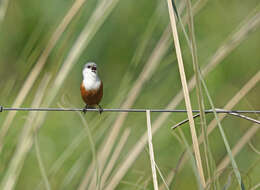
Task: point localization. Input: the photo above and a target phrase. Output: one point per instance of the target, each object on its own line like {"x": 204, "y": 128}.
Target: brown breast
{"x": 91, "y": 97}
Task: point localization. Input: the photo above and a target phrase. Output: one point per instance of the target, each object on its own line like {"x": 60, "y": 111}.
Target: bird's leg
{"x": 100, "y": 109}
{"x": 85, "y": 109}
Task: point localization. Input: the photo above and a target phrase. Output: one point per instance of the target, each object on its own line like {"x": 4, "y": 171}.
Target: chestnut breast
{"x": 93, "y": 96}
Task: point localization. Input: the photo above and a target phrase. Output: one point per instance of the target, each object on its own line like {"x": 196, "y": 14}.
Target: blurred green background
{"x": 122, "y": 46}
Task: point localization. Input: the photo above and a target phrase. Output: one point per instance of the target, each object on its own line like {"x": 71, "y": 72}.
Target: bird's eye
{"x": 88, "y": 66}
{"x": 94, "y": 68}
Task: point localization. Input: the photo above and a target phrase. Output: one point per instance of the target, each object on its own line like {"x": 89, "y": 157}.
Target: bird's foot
{"x": 85, "y": 109}
{"x": 100, "y": 109}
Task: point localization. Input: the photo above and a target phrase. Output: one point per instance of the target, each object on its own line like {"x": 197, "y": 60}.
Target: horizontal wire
{"x": 127, "y": 110}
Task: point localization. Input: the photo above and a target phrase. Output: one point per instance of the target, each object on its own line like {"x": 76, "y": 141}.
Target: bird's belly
{"x": 91, "y": 97}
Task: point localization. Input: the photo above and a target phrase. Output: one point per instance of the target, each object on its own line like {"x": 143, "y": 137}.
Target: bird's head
{"x": 90, "y": 69}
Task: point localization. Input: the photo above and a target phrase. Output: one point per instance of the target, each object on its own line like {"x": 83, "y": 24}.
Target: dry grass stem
{"x": 151, "y": 152}
{"x": 207, "y": 152}
{"x": 255, "y": 187}
{"x": 253, "y": 148}
{"x": 26, "y": 140}
{"x": 145, "y": 75}
{"x": 3, "y": 9}
{"x": 38, "y": 66}
{"x": 215, "y": 60}
{"x": 186, "y": 94}
{"x": 40, "y": 162}
{"x": 242, "y": 93}
{"x": 114, "y": 158}
{"x": 94, "y": 157}
{"x": 236, "y": 149}
{"x": 98, "y": 17}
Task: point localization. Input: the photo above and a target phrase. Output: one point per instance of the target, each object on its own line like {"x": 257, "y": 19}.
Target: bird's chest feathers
{"x": 90, "y": 83}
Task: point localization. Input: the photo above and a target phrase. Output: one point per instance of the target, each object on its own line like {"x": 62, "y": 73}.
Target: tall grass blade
{"x": 236, "y": 149}
{"x": 38, "y": 67}
{"x": 26, "y": 140}
{"x": 114, "y": 158}
{"x": 40, "y": 162}
{"x": 199, "y": 93}
{"x": 233, "y": 162}
{"x": 3, "y": 8}
{"x": 186, "y": 94}
{"x": 149, "y": 68}
{"x": 193, "y": 160}
{"x": 240, "y": 34}
{"x": 151, "y": 152}
{"x": 93, "y": 149}
{"x": 247, "y": 26}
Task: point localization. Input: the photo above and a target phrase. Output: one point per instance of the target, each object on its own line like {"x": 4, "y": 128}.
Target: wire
{"x": 128, "y": 110}
{"x": 230, "y": 113}
{"x": 236, "y": 113}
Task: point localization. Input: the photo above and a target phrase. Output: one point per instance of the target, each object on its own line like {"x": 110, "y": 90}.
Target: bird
{"x": 91, "y": 87}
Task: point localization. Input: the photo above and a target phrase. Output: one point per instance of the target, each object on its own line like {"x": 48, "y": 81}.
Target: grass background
{"x": 121, "y": 47}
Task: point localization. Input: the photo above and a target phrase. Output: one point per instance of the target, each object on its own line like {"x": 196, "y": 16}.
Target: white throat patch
{"x": 91, "y": 80}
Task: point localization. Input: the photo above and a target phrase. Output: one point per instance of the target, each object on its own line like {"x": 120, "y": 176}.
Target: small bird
{"x": 91, "y": 87}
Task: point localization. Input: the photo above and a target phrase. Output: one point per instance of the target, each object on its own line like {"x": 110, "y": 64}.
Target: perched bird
{"x": 91, "y": 87}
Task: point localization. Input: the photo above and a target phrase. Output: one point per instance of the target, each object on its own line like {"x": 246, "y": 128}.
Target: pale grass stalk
{"x": 236, "y": 149}
{"x": 114, "y": 158}
{"x": 145, "y": 75}
{"x": 224, "y": 137}
{"x": 3, "y": 8}
{"x": 104, "y": 8}
{"x": 240, "y": 34}
{"x": 26, "y": 140}
{"x": 65, "y": 155}
{"x": 207, "y": 152}
{"x": 169, "y": 178}
{"x": 239, "y": 95}
{"x": 236, "y": 38}
{"x": 162, "y": 177}
{"x": 257, "y": 186}
{"x": 192, "y": 159}
{"x": 94, "y": 156}
{"x": 148, "y": 70}
{"x": 151, "y": 152}
{"x": 146, "y": 36}
{"x": 76, "y": 142}
{"x": 173, "y": 172}
{"x": 186, "y": 94}
{"x": 40, "y": 162}
{"x": 38, "y": 66}
{"x": 75, "y": 169}
{"x": 6, "y": 89}
{"x": 253, "y": 148}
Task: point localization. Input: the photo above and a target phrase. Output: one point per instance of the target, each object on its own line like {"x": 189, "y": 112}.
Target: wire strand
{"x": 230, "y": 113}
{"x": 127, "y": 110}
{"x": 236, "y": 113}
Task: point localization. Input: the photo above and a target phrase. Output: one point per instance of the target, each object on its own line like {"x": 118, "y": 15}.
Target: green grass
{"x": 44, "y": 46}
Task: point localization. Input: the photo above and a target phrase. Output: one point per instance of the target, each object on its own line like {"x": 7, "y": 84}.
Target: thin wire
{"x": 127, "y": 110}
{"x": 230, "y": 113}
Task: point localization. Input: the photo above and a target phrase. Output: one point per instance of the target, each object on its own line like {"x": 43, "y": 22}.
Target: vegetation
{"x": 44, "y": 45}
